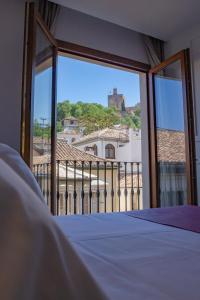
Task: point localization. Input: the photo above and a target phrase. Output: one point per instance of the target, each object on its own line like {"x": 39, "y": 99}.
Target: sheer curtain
{"x": 49, "y": 12}
{"x": 154, "y": 49}
{"x": 173, "y": 185}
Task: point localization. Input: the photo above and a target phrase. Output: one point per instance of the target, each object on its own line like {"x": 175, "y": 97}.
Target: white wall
{"x": 130, "y": 151}
{"x": 191, "y": 39}
{"x": 11, "y": 54}
{"x": 92, "y": 32}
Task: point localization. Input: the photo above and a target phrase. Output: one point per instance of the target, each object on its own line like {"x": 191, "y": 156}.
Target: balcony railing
{"x": 85, "y": 187}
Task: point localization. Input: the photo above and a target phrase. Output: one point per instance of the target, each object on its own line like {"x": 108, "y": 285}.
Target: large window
{"x": 101, "y": 101}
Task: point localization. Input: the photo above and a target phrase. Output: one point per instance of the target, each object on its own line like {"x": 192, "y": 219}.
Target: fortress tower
{"x": 116, "y": 100}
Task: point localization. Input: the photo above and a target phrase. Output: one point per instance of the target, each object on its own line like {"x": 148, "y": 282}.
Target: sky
{"x": 169, "y": 104}
{"x": 88, "y": 82}
{"x": 83, "y": 81}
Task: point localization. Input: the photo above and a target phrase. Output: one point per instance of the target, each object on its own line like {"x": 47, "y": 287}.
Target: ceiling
{"x": 160, "y": 18}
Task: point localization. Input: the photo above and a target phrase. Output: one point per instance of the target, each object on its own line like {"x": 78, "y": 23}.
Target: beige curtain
{"x": 154, "y": 49}
{"x": 49, "y": 12}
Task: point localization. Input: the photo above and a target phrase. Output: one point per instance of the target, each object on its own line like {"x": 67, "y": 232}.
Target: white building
{"x": 117, "y": 143}
{"x": 72, "y": 131}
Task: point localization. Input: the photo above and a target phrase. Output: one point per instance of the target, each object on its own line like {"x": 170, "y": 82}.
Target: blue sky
{"x": 83, "y": 81}
{"x": 169, "y": 103}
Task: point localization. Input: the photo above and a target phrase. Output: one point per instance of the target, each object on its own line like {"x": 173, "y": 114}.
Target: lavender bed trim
{"x": 184, "y": 217}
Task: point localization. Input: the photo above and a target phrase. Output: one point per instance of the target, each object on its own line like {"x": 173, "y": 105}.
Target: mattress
{"x": 132, "y": 258}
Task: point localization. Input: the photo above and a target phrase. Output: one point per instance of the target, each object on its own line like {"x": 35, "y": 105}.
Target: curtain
{"x": 172, "y": 183}
{"x": 154, "y": 49}
{"x": 49, "y": 12}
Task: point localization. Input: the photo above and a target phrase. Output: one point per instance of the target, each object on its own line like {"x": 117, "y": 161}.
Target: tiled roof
{"x": 107, "y": 134}
{"x": 70, "y": 118}
{"x": 171, "y": 145}
{"x": 64, "y": 151}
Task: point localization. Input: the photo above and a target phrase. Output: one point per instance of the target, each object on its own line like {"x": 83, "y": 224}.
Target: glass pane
{"x": 170, "y": 132}
{"x": 42, "y": 112}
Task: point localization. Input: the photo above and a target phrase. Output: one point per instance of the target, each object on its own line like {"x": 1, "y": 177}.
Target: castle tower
{"x": 116, "y": 100}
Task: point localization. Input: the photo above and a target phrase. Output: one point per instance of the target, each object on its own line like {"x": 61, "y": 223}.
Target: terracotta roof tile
{"x": 107, "y": 133}
{"x": 64, "y": 151}
{"x": 171, "y": 145}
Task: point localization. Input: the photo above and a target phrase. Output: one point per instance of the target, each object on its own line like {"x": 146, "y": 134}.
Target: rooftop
{"x": 105, "y": 134}
{"x": 171, "y": 145}
{"x": 64, "y": 151}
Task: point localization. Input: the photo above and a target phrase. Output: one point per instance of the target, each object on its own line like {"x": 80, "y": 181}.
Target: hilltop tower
{"x": 116, "y": 100}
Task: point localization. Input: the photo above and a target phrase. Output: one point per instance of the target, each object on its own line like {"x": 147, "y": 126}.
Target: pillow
{"x": 14, "y": 160}
{"x": 37, "y": 261}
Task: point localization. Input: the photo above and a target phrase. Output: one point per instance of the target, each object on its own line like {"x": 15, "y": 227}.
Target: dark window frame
{"x": 184, "y": 58}
{"x": 110, "y": 152}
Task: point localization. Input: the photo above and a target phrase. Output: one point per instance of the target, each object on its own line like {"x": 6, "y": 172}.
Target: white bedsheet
{"x": 136, "y": 259}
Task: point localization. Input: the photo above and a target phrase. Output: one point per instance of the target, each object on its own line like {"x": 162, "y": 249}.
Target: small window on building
{"x": 95, "y": 149}
{"x": 110, "y": 151}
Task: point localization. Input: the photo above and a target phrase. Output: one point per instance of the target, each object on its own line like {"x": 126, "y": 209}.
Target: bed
{"x": 133, "y": 258}
{"x": 150, "y": 254}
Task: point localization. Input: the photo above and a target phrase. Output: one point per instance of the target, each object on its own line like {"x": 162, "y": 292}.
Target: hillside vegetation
{"x": 93, "y": 116}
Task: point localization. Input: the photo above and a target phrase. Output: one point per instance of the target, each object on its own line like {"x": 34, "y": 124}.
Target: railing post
{"x": 82, "y": 188}
{"x": 105, "y": 188}
{"x": 125, "y": 191}
{"x": 98, "y": 193}
{"x": 58, "y": 187}
{"x": 90, "y": 188}
{"x": 119, "y": 188}
{"x": 66, "y": 187}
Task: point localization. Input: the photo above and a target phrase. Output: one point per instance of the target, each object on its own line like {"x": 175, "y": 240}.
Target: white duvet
{"x": 135, "y": 259}
{"x": 36, "y": 260}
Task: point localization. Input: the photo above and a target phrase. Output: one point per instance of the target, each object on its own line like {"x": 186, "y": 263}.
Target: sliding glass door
{"x": 172, "y": 150}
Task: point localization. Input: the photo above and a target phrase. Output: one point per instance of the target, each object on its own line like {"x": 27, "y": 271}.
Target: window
{"x": 110, "y": 151}
{"x": 95, "y": 149}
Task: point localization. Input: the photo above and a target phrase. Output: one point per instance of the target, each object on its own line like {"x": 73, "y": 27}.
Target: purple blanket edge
{"x": 186, "y": 217}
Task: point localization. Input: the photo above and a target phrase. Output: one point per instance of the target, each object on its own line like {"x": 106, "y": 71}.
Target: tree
{"x": 92, "y": 116}
{"x": 59, "y": 126}
{"x": 63, "y": 110}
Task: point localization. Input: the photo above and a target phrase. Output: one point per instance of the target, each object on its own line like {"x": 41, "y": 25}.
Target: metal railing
{"x": 85, "y": 187}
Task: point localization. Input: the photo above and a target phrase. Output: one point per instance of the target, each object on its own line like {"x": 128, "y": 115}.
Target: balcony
{"x": 87, "y": 187}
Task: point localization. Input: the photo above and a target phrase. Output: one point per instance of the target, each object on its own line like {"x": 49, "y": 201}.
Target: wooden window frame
{"x": 184, "y": 58}
{"x": 32, "y": 20}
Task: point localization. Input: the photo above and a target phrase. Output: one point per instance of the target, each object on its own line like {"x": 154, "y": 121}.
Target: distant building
{"x": 70, "y": 123}
{"x": 118, "y": 102}
{"x": 72, "y": 130}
